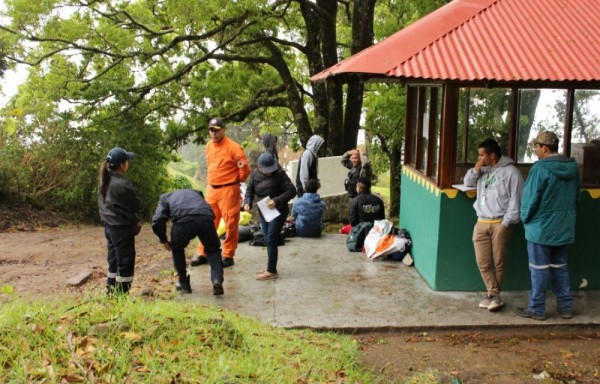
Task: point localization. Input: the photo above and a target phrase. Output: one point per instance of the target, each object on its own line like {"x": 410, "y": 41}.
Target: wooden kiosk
{"x": 474, "y": 69}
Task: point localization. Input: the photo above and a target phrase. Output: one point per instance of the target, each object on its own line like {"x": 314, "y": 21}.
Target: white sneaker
{"x": 485, "y": 303}
{"x": 496, "y": 303}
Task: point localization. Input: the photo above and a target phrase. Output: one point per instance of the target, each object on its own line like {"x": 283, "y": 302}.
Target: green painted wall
{"x": 442, "y": 227}
{"x": 584, "y": 255}
{"x": 457, "y": 269}
{"x": 420, "y": 216}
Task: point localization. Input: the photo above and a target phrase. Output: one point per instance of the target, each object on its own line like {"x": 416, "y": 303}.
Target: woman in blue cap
{"x": 272, "y": 181}
{"x": 119, "y": 206}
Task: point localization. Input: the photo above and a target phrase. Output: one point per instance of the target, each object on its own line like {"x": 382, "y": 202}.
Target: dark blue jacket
{"x": 366, "y": 207}
{"x": 121, "y": 205}
{"x": 308, "y": 211}
{"x": 277, "y": 186}
{"x": 180, "y": 206}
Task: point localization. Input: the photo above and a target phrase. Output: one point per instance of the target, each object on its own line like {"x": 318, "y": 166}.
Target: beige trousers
{"x": 490, "y": 240}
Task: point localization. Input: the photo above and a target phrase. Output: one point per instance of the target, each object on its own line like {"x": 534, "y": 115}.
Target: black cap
{"x": 117, "y": 156}
{"x": 216, "y": 123}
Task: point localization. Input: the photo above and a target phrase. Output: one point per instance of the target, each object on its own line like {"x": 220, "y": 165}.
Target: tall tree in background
{"x": 190, "y": 60}
{"x": 174, "y": 64}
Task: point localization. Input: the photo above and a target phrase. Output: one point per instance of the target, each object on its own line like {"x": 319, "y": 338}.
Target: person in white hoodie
{"x": 499, "y": 190}
{"x": 308, "y": 165}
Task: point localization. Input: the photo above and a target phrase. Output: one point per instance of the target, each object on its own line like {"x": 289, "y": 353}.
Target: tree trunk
{"x": 395, "y": 172}
{"x": 335, "y": 117}
{"x": 312, "y": 19}
{"x": 362, "y": 37}
{"x": 293, "y": 93}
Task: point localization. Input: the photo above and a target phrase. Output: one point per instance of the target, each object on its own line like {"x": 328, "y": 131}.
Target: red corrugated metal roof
{"x": 501, "y": 40}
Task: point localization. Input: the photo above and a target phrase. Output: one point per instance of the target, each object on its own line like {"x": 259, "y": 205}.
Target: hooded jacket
{"x": 550, "y": 196}
{"x": 308, "y": 211}
{"x": 308, "y": 164}
{"x": 269, "y": 145}
{"x": 499, "y": 191}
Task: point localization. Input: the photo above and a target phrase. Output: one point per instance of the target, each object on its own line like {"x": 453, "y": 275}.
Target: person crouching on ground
{"x": 365, "y": 206}
{"x": 269, "y": 180}
{"x": 499, "y": 190}
{"x": 308, "y": 211}
{"x": 192, "y": 217}
{"x": 119, "y": 207}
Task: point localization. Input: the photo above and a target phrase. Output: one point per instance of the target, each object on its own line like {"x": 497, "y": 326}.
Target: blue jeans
{"x": 549, "y": 263}
{"x": 272, "y": 231}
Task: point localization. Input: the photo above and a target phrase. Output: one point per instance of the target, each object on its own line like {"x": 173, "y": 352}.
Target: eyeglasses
{"x": 214, "y": 130}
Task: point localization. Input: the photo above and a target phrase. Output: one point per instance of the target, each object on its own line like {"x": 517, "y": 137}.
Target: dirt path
{"x": 38, "y": 264}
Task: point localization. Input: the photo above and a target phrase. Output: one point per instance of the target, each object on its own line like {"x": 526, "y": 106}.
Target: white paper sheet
{"x": 268, "y": 213}
{"x": 464, "y": 188}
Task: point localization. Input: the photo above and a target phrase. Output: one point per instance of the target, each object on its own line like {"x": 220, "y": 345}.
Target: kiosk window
{"x": 585, "y": 136}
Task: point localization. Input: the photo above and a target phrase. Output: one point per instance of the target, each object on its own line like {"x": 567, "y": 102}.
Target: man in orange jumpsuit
{"x": 227, "y": 168}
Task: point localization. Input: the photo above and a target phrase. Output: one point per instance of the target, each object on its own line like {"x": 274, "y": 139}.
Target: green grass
{"x": 382, "y": 187}
{"x": 97, "y": 339}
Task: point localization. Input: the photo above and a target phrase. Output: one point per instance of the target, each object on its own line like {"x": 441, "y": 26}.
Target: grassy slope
{"x": 102, "y": 340}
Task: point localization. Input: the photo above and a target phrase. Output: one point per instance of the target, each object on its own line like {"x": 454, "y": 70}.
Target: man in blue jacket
{"x": 308, "y": 211}
{"x": 192, "y": 217}
{"x": 550, "y": 196}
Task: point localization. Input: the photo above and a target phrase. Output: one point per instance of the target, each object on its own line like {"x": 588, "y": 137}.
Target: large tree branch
{"x": 241, "y": 114}
{"x": 262, "y": 39}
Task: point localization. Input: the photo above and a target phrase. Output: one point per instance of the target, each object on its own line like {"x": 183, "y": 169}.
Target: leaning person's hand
{"x": 167, "y": 246}
{"x": 138, "y": 228}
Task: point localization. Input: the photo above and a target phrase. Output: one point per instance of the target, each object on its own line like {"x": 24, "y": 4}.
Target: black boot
{"x": 183, "y": 284}
{"x": 122, "y": 288}
{"x": 111, "y": 284}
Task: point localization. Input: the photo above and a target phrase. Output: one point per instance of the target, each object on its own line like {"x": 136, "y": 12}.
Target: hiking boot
{"x": 266, "y": 275}
{"x": 183, "y": 284}
{"x": 495, "y": 303}
{"x": 485, "y": 303}
{"x": 198, "y": 260}
{"x": 228, "y": 262}
{"x": 524, "y": 312}
{"x": 565, "y": 314}
{"x": 218, "y": 288}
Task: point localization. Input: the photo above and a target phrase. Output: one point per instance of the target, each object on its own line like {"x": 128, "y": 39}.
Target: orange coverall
{"x": 227, "y": 168}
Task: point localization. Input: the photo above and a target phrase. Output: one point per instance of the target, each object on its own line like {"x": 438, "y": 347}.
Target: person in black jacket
{"x": 365, "y": 206}
{"x": 119, "y": 206}
{"x": 191, "y": 216}
{"x": 269, "y": 180}
{"x": 359, "y": 168}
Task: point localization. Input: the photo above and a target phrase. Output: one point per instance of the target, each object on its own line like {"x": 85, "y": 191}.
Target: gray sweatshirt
{"x": 499, "y": 191}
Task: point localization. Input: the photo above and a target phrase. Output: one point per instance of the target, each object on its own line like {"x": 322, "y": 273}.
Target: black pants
{"x": 121, "y": 254}
{"x": 203, "y": 228}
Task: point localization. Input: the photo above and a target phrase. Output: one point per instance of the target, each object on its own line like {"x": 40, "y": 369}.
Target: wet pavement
{"x": 323, "y": 286}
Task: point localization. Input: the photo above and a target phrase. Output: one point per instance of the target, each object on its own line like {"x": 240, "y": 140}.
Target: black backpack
{"x": 357, "y": 235}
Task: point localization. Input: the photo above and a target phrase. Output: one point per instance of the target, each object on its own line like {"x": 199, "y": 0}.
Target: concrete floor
{"x": 323, "y": 286}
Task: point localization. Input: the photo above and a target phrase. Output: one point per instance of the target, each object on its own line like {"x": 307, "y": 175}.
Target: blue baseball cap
{"x": 117, "y": 156}
{"x": 267, "y": 163}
